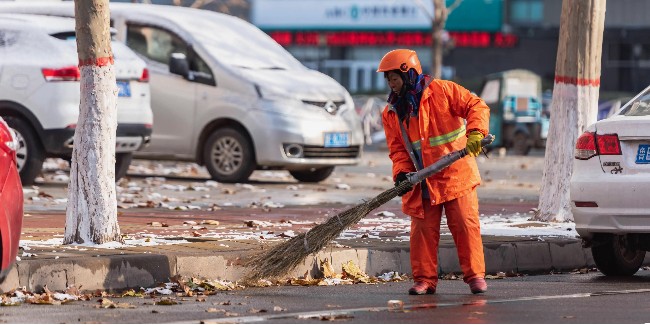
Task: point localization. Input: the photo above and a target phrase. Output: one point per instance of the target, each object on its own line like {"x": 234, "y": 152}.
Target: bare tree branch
{"x": 453, "y": 6}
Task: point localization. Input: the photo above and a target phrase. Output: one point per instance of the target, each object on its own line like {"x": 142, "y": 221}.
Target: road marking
{"x": 342, "y": 312}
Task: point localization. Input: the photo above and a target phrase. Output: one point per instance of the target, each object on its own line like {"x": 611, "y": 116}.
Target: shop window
{"x": 526, "y": 12}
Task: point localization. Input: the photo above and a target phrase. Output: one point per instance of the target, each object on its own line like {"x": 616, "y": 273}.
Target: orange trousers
{"x": 462, "y": 219}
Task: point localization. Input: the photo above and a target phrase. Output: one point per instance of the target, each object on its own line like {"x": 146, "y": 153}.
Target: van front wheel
{"x": 228, "y": 156}
{"x": 314, "y": 175}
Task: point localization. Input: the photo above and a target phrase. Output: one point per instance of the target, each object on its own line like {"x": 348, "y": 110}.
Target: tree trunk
{"x": 575, "y": 100}
{"x": 91, "y": 215}
{"x": 438, "y": 26}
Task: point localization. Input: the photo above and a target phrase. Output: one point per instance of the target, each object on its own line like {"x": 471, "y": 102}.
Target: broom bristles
{"x": 282, "y": 258}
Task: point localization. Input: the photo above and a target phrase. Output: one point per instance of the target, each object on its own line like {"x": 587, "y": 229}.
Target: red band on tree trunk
{"x": 577, "y": 81}
{"x": 100, "y": 62}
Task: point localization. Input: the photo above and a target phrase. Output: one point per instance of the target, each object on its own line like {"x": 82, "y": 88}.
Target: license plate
{"x": 336, "y": 139}
{"x": 643, "y": 154}
{"x": 123, "y": 89}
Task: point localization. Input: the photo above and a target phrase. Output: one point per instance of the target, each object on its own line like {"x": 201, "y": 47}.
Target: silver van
{"x": 227, "y": 96}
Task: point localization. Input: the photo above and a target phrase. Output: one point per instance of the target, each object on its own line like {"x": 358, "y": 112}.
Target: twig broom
{"x": 283, "y": 257}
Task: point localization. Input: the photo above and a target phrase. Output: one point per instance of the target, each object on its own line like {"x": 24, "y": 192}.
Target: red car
{"x": 11, "y": 201}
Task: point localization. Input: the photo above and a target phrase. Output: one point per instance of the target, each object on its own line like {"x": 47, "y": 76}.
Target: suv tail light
{"x": 590, "y": 144}
{"x": 145, "y": 75}
{"x": 62, "y": 74}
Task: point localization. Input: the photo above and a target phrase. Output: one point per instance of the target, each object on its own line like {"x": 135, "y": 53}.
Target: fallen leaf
{"x": 303, "y": 282}
{"x": 228, "y": 191}
{"x": 327, "y": 269}
{"x": 450, "y": 276}
{"x": 352, "y": 271}
{"x": 223, "y": 303}
{"x": 132, "y": 293}
{"x": 106, "y": 303}
{"x": 166, "y": 302}
{"x": 45, "y": 195}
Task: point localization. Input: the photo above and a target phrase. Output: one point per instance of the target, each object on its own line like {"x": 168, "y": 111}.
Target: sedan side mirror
{"x": 178, "y": 65}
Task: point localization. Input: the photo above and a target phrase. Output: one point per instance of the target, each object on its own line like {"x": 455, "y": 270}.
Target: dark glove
{"x": 401, "y": 177}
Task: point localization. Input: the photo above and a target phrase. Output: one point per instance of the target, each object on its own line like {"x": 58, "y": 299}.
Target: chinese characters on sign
{"x": 350, "y": 15}
{"x": 372, "y": 12}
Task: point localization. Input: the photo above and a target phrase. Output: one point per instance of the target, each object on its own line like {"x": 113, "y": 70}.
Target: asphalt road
{"x": 558, "y": 298}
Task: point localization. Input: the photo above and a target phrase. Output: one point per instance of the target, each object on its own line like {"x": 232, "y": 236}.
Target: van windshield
{"x": 237, "y": 43}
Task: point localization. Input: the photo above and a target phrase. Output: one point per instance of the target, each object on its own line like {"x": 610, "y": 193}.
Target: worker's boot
{"x": 421, "y": 288}
{"x": 477, "y": 285}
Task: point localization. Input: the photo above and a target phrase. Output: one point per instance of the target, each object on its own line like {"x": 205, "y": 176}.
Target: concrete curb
{"x": 117, "y": 272}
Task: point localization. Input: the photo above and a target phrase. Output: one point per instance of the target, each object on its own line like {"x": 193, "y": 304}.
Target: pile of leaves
{"x": 189, "y": 287}
{"x": 350, "y": 274}
{"x": 178, "y": 287}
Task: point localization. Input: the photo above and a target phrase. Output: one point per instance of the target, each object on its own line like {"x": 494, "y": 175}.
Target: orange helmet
{"x": 401, "y": 59}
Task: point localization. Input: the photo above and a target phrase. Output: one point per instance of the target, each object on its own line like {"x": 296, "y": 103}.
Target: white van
{"x": 40, "y": 92}
{"x": 227, "y": 96}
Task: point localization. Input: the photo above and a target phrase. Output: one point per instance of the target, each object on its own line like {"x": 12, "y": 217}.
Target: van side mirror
{"x": 178, "y": 65}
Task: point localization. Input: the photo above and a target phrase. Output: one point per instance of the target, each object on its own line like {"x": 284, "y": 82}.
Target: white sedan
{"x": 610, "y": 187}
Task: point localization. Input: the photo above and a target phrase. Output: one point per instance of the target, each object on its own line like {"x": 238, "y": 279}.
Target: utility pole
{"x": 91, "y": 215}
{"x": 575, "y": 100}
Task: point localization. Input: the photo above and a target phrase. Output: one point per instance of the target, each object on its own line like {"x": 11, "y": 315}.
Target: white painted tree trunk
{"x": 573, "y": 109}
{"x": 91, "y": 215}
{"x": 575, "y": 101}
{"x": 92, "y": 204}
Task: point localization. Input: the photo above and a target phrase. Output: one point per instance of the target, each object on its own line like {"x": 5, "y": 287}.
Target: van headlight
{"x": 279, "y": 102}
{"x": 267, "y": 93}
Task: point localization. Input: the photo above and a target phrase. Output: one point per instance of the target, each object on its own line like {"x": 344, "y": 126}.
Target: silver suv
{"x": 40, "y": 92}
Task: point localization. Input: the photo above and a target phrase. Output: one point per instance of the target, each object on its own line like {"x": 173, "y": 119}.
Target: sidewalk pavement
{"x": 512, "y": 244}
{"x": 218, "y": 257}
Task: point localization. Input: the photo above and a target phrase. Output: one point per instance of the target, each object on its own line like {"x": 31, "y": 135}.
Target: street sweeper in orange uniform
{"x": 424, "y": 120}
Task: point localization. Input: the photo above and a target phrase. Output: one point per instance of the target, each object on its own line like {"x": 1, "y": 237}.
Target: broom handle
{"x": 443, "y": 162}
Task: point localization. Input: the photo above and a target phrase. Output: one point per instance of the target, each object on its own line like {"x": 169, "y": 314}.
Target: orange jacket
{"x": 438, "y": 130}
